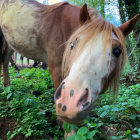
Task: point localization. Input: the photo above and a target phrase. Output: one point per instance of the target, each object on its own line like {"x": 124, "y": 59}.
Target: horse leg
{"x": 21, "y": 58}
{"x": 35, "y": 64}
{"x": 44, "y": 65}
{"x": 15, "y": 57}
{"x": 28, "y": 61}
{"x": 13, "y": 64}
{"x": 7, "y": 56}
{"x": 1, "y": 51}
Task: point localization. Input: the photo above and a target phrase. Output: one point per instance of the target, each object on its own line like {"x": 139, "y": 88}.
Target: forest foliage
{"x": 29, "y": 102}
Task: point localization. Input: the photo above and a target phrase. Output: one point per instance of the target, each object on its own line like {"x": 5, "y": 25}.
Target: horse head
{"x": 93, "y": 60}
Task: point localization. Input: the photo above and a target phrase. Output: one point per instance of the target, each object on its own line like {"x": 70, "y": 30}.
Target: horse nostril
{"x": 84, "y": 100}
{"x": 58, "y": 92}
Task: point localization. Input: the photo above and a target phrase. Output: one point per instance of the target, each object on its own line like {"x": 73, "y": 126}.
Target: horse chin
{"x": 78, "y": 119}
{"x": 71, "y": 121}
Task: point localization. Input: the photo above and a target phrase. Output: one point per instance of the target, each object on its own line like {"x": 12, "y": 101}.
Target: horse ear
{"x": 84, "y": 15}
{"x": 128, "y": 26}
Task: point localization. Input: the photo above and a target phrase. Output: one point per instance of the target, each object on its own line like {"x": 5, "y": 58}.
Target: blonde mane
{"x": 89, "y": 32}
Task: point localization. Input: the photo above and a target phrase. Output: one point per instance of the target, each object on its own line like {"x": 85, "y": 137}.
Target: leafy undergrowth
{"x": 112, "y": 117}
{"x": 29, "y": 102}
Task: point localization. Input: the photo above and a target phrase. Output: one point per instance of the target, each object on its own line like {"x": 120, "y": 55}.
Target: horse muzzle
{"x": 72, "y": 104}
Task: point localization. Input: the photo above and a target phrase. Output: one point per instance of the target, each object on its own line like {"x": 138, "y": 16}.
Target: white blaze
{"x": 91, "y": 66}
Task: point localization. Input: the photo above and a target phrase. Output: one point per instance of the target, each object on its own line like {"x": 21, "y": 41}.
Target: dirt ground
{"x": 8, "y": 125}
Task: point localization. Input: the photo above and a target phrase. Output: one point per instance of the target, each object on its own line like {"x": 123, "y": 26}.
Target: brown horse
{"x": 44, "y": 28}
{"x": 94, "y": 54}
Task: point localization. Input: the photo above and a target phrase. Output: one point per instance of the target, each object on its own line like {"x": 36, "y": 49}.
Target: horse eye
{"x": 72, "y": 45}
{"x": 117, "y": 51}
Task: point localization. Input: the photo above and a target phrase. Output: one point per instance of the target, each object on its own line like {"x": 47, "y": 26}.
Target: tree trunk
{"x": 128, "y": 9}
{"x": 121, "y": 11}
{"x": 133, "y": 8}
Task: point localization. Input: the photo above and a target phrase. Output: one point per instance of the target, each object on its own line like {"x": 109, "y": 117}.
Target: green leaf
{"x": 93, "y": 124}
{"x": 12, "y": 136}
{"x": 73, "y": 127}
{"x": 138, "y": 130}
{"x": 19, "y": 129}
{"x": 81, "y": 138}
{"x": 82, "y": 131}
{"x": 42, "y": 112}
{"x": 28, "y": 101}
{"x": 135, "y": 128}
{"x": 124, "y": 103}
{"x": 8, "y": 96}
{"x": 115, "y": 109}
{"x": 113, "y": 137}
{"x": 121, "y": 137}
{"x": 106, "y": 107}
{"x": 8, "y": 134}
{"x": 99, "y": 125}
{"x": 127, "y": 132}
{"x": 91, "y": 134}
{"x": 104, "y": 114}
{"x": 8, "y": 89}
{"x": 71, "y": 137}
{"x": 66, "y": 127}
{"x": 76, "y": 137}
{"x": 135, "y": 136}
